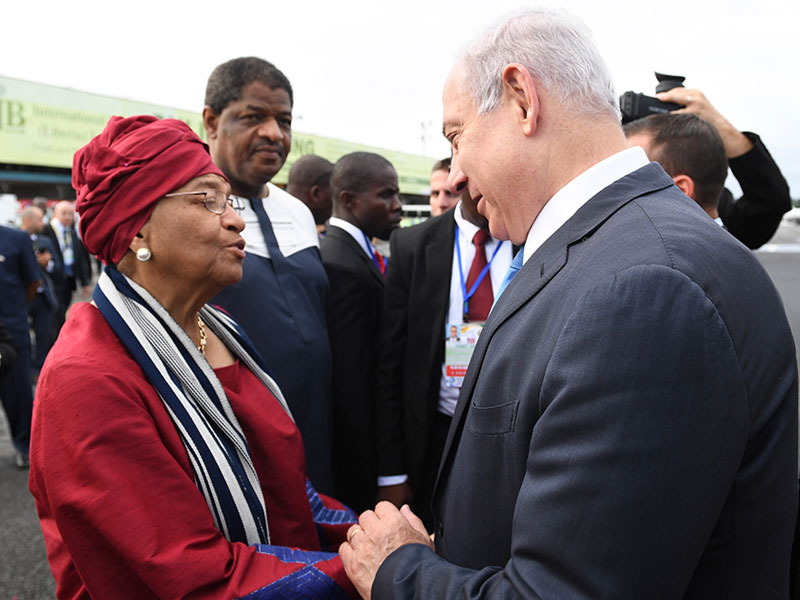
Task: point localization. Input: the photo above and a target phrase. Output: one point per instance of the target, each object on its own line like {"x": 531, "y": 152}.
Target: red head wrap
{"x": 121, "y": 174}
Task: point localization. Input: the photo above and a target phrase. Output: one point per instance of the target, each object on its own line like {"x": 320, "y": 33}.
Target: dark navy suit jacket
{"x": 354, "y": 314}
{"x": 47, "y": 292}
{"x": 628, "y": 424}
{"x": 412, "y": 344}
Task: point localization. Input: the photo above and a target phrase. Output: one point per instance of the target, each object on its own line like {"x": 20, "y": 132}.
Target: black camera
{"x": 635, "y": 106}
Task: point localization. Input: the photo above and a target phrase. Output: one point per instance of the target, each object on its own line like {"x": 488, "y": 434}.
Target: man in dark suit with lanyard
{"x": 435, "y": 265}
{"x": 70, "y": 254}
{"x": 365, "y": 206}
{"x": 627, "y": 427}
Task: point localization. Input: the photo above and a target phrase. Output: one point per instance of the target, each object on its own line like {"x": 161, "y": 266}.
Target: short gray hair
{"x": 556, "y": 47}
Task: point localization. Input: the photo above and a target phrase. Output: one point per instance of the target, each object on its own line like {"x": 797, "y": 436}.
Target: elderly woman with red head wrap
{"x": 164, "y": 460}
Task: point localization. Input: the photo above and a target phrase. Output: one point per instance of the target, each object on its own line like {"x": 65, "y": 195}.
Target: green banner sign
{"x": 43, "y": 125}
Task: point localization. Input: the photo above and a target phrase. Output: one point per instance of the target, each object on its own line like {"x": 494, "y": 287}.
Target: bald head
{"x": 64, "y": 213}
{"x": 309, "y": 180}
{"x": 31, "y": 220}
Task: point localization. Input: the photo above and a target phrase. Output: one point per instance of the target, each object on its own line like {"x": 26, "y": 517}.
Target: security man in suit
{"x": 19, "y": 280}
{"x": 44, "y": 304}
{"x": 365, "y": 205}
{"x": 434, "y": 267}
{"x": 76, "y": 270}
{"x": 627, "y": 427}
{"x": 441, "y": 199}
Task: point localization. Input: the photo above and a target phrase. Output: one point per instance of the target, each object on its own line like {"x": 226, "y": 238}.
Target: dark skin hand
{"x": 43, "y": 258}
{"x": 30, "y": 290}
{"x": 375, "y": 537}
{"x": 398, "y": 495}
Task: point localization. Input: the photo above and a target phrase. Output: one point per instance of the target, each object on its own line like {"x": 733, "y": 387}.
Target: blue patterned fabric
{"x": 293, "y": 555}
{"x": 324, "y": 515}
{"x": 308, "y": 582}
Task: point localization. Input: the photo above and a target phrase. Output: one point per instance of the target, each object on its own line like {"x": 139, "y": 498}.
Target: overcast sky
{"x": 372, "y": 72}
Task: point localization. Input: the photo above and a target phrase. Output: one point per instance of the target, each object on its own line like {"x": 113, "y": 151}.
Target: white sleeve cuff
{"x": 388, "y": 480}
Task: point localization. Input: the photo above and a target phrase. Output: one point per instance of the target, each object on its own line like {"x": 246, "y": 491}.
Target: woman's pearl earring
{"x": 143, "y": 254}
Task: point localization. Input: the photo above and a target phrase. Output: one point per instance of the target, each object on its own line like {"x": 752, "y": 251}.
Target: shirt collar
{"x": 357, "y": 234}
{"x": 566, "y": 202}
{"x": 467, "y": 228}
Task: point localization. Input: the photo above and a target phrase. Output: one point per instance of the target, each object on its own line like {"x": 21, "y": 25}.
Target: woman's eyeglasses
{"x": 214, "y": 200}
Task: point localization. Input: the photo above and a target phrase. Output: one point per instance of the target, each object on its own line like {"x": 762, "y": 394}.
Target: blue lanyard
{"x": 464, "y": 294}
{"x": 372, "y": 253}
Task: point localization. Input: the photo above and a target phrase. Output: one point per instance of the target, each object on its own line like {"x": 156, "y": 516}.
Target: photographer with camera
{"x": 691, "y": 152}
{"x": 753, "y": 218}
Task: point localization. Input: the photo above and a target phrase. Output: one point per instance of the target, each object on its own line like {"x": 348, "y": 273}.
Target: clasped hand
{"x": 378, "y": 534}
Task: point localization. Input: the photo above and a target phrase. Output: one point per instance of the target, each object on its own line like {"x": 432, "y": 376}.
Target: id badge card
{"x": 459, "y": 343}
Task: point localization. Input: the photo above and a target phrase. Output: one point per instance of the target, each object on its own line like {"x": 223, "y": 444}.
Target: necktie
{"x": 381, "y": 262}
{"x": 515, "y": 266}
{"x": 481, "y": 301}
{"x": 68, "y": 253}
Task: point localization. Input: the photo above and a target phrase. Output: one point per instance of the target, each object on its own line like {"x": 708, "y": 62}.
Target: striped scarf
{"x": 195, "y": 400}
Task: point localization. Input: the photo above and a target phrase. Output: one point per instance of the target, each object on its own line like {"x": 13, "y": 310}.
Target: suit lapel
{"x": 542, "y": 266}
{"x": 439, "y": 258}
{"x": 355, "y": 249}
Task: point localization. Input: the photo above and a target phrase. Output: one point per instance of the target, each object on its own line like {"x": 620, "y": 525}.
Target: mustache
{"x": 271, "y": 146}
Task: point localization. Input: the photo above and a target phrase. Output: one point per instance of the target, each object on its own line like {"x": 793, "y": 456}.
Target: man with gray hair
{"x": 76, "y": 270}
{"x": 627, "y": 426}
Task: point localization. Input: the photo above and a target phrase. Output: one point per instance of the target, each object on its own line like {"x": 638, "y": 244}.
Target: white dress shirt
{"x": 356, "y": 233}
{"x": 292, "y": 224}
{"x": 566, "y": 202}
{"x": 448, "y": 396}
